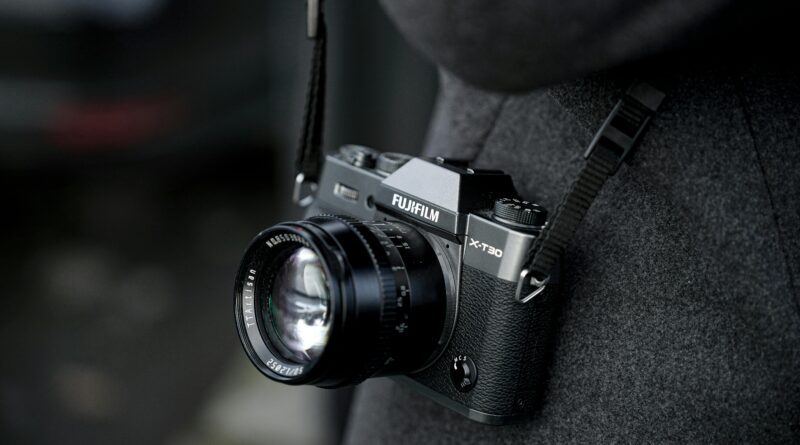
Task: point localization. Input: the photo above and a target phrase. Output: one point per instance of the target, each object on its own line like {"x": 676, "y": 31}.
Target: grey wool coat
{"x": 681, "y": 315}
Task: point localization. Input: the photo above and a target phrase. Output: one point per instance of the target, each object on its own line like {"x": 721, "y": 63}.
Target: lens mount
{"x": 331, "y": 301}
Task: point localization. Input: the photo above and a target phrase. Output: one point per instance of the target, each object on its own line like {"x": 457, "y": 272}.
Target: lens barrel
{"x": 331, "y": 301}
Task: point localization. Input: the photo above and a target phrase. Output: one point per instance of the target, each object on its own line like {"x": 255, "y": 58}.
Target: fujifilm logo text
{"x": 416, "y": 208}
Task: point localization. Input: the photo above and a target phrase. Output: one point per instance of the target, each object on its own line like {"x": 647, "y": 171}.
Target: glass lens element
{"x": 299, "y": 305}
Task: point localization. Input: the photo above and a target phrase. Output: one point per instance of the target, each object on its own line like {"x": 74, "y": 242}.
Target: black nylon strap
{"x": 309, "y": 153}
{"x": 618, "y": 136}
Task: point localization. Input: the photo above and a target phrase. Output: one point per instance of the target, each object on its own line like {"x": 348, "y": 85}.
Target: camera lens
{"x": 298, "y": 305}
{"x": 331, "y": 301}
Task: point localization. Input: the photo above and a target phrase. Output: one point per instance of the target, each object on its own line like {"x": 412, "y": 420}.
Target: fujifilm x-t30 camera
{"x": 408, "y": 267}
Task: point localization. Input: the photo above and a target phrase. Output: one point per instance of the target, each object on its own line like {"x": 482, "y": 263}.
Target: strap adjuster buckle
{"x": 313, "y": 18}
{"x": 624, "y": 126}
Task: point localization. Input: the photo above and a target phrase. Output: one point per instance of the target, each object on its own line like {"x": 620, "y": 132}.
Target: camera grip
{"x": 510, "y": 344}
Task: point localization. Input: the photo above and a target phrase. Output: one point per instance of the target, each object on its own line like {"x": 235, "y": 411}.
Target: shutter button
{"x": 463, "y": 373}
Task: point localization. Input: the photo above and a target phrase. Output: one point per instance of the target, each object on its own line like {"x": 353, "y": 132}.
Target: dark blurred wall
{"x": 138, "y": 157}
{"x": 381, "y": 91}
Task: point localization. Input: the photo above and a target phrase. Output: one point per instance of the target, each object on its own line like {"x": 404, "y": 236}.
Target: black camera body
{"x": 445, "y": 244}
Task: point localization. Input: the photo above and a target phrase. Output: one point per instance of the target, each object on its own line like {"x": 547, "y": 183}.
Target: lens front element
{"x": 298, "y": 305}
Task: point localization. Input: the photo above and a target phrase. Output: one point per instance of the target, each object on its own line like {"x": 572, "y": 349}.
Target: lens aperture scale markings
{"x": 390, "y": 236}
{"x": 403, "y": 294}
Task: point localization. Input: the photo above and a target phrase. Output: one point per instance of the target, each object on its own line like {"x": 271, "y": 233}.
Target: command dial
{"x": 517, "y": 212}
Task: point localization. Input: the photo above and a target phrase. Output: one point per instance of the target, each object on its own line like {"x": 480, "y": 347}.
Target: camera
{"x": 405, "y": 267}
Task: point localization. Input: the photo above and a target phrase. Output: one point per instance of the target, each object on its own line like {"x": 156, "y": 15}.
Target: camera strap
{"x": 612, "y": 144}
{"x": 309, "y": 153}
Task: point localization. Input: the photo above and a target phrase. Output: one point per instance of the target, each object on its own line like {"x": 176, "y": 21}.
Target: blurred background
{"x": 143, "y": 143}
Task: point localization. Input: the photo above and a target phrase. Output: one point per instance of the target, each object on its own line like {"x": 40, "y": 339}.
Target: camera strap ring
{"x": 612, "y": 144}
